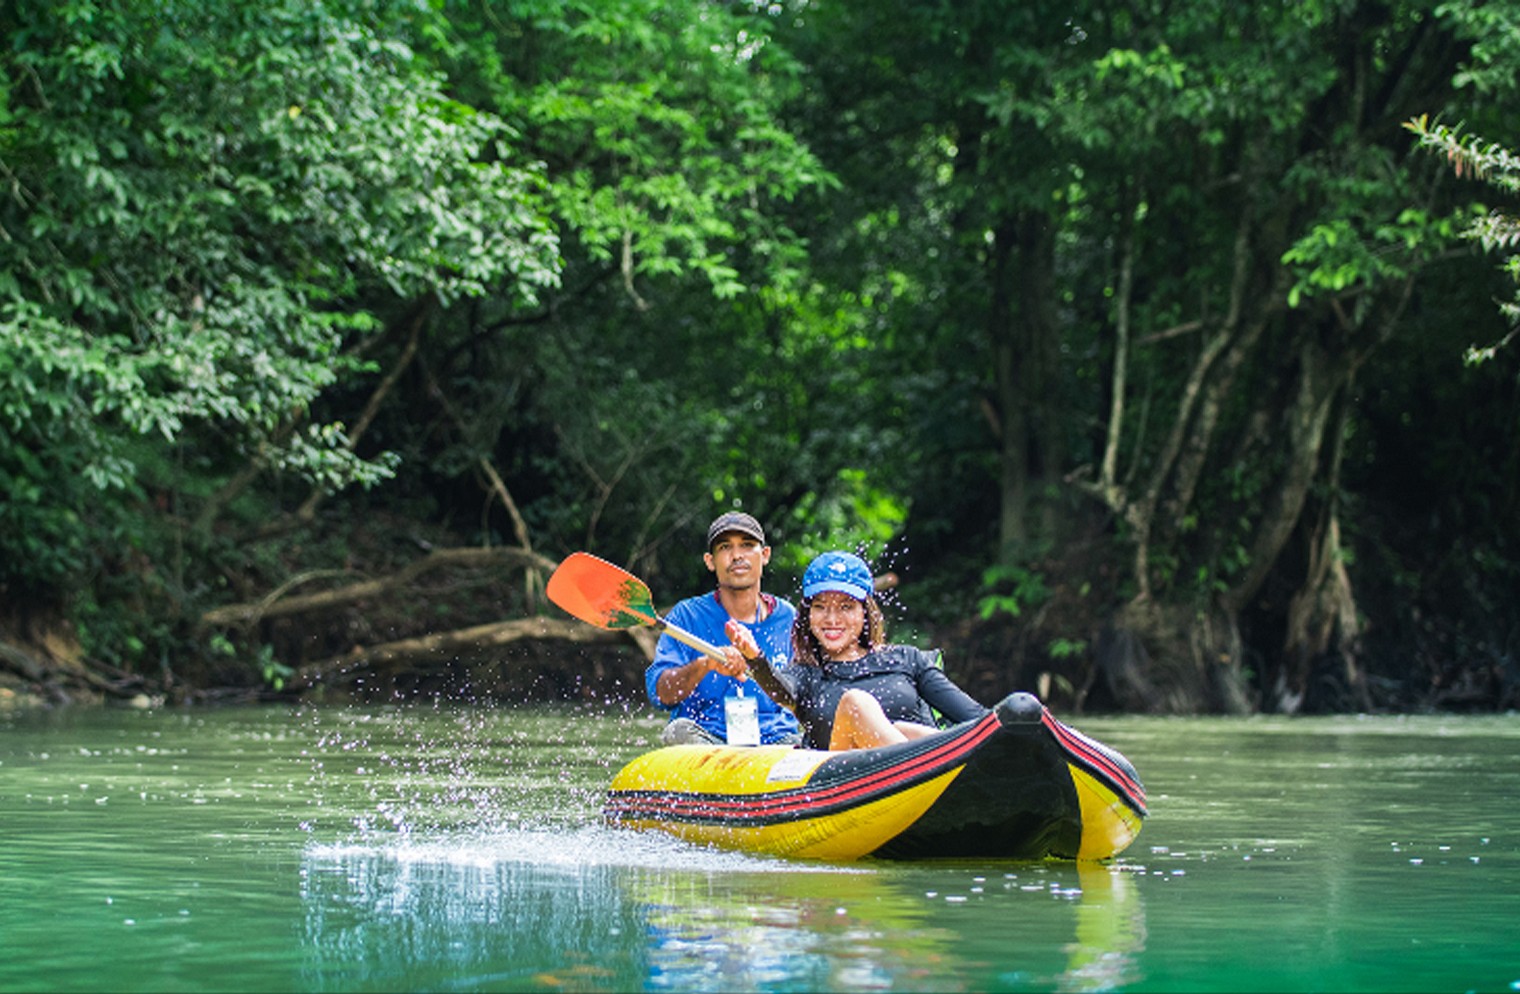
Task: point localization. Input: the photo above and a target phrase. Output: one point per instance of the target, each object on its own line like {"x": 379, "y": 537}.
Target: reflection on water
{"x": 599, "y": 909}
{"x": 428, "y": 917}
{"x": 1110, "y": 932}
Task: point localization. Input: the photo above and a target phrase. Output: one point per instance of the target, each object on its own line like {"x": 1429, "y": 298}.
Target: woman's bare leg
{"x": 860, "y": 723}
{"x": 913, "y": 730}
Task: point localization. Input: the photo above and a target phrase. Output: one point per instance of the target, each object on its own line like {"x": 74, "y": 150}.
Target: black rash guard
{"x": 903, "y": 678}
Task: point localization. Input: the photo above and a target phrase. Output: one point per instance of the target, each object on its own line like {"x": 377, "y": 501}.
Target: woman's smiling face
{"x": 837, "y": 620}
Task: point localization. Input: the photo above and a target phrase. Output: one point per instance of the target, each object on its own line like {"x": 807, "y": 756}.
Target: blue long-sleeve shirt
{"x": 704, "y": 617}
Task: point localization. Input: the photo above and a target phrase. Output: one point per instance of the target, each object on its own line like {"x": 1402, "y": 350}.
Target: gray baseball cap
{"x": 735, "y": 521}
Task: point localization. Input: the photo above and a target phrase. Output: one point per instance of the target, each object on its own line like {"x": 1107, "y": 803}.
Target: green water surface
{"x": 459, "y": 849}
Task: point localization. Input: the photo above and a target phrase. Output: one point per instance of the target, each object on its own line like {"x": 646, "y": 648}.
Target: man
{"x": 699, "y": 691}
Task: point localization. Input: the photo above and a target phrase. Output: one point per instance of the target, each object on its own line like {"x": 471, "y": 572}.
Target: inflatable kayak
{"x": 1014, "y": 784}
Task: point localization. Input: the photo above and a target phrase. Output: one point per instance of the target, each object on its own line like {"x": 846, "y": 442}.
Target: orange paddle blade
{"x": 601, "y": 594}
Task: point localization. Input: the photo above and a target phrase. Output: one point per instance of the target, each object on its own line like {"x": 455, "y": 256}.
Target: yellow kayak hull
{"x": 1015, "y": 783}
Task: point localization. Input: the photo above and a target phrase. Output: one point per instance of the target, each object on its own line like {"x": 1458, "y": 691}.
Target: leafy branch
{"x": 1496, "y": 231}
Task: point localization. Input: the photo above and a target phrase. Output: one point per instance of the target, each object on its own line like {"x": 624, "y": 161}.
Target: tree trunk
{"x": 1011, "y": 425}
{"x": 415, "y": 321}
{"x": 1023, "y": 334}
{"x": 1322, "y": 623}
{"x": 1040, "y": 387}
{"x": 1108, "y": 473}
{"x": 1322, "y": 377}
{"x": 218, "y": 502}
{"x": 1190, "y": 432}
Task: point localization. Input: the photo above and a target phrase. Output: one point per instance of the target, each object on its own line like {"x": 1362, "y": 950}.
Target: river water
{"x": 415, "y": 847}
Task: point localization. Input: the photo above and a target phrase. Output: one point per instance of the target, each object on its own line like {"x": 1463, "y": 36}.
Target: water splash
{"x": 584, "y": 848}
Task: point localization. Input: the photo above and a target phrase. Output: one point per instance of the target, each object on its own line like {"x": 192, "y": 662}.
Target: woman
{"x": 848, "y": 687}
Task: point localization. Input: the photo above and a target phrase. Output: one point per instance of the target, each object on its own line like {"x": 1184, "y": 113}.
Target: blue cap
{"x": 841, "y": 571}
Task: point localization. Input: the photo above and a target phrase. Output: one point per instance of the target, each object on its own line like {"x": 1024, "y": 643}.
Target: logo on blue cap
{"x": 842, "y": 571}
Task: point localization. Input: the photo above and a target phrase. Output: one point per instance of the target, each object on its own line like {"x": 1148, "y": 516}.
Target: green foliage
{"x": 994, "y": 122}
{"x": 1014, "y": 589}
{"x": 681, "y": 367}
{"x": 203, "y": 204}
{"x": 1495, "y": 230}
{"x": 656, "y": 121}
{"x": 273, "y": 672}
{"x": 854, "y": 514}
{"x": 858, "y": 269}
{"x": 1336, "y": 257}
{"x": 1064, "y": 648}
{"x": 1493, "y": 32}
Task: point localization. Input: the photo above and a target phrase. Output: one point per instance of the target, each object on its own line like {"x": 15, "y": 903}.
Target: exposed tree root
{"x": 276, "y": 604}
{"x": 366, "y": 659}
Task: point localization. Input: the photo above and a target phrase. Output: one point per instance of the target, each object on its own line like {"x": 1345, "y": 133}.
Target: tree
{"x": 676, "y": 367}
{"x": 626, "y": 405}
{"x": 206, "y": 206}
{"x": 1110, "y": 320}
{"x": 1161, "y": 243}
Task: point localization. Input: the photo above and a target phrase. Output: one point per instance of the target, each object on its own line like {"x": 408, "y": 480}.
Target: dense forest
{"x": 1163, "y": 351}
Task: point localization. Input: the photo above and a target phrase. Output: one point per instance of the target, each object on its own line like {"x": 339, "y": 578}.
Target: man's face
{"x": 738, "y": 560}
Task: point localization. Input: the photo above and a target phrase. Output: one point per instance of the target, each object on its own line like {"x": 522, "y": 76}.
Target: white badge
{"x": 742, "y": 715}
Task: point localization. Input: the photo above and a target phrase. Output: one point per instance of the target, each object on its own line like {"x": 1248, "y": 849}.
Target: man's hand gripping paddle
{"x": 610, "y": 597}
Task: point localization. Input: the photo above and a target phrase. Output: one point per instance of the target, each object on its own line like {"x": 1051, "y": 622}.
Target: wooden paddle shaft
{"x": 681, "y": 635}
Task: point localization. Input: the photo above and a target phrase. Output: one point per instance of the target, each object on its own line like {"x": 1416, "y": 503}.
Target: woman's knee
{"x": 858, "y": 702}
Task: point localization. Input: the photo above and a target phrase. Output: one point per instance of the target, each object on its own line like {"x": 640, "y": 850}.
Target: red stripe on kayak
{"x": 1087, "y": 751}
{"x": 804, "y": 800}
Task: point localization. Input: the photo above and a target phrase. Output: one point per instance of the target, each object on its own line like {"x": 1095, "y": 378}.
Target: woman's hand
{"x": 742, "y": 638}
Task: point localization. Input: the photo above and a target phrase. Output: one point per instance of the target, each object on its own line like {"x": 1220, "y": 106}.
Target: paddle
{"x": 610, "y": 597}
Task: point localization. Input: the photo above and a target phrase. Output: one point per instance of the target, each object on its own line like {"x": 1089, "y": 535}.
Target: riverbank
{"x": 440, "y": 621}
